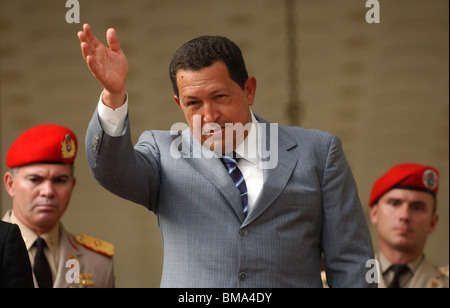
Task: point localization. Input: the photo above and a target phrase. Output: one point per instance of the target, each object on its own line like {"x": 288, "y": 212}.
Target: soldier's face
{"x": 41, "y": 194}
{"x": 404, "y": 218}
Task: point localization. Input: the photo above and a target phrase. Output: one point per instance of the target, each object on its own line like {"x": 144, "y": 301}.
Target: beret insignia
{"x": 430, "y": 179}
{"x": 68, "y": 148}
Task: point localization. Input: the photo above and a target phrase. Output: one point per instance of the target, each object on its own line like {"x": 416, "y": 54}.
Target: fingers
{"x": 93, "y": 67}
{"x": 84, "y": 50}
{"x": 113, "y": 40}
{"x": 88, "y": 43}
{"x": 90, "y": 37}
{"x": 87, "y": 46}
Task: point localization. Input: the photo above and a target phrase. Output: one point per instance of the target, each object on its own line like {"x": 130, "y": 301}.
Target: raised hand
{"x": 108, "y": 65}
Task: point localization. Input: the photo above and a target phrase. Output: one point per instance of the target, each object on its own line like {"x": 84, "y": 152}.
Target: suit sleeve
{"x": 127, "y": 171}
{"x": 347, "y": 244}
{"x": 15, "y": 268}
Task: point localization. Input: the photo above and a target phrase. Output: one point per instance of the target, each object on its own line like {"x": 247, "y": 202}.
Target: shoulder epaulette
{"x": 95, "y": 244}
{"x": 443, "y": 270}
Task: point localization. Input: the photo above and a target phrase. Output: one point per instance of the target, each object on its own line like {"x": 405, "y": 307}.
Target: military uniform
{"x": 92, "y": 257}
{"x": 422, "y": 274}
{"x": 62, "y": 259}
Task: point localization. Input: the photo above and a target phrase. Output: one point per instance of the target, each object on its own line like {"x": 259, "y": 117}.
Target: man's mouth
{"x": 403, "y": 229}
{"x": 213, "y": 130}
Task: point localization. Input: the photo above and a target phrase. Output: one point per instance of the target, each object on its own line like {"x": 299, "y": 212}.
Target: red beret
{"x": 409, "y": 176}
{"x": 46, "y": 143}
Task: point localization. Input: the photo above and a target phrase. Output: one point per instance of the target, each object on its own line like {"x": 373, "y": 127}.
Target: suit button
{"x": 242, "y": 276}
{"x": 243, "y": 232}
{"x": 95, "y": 141}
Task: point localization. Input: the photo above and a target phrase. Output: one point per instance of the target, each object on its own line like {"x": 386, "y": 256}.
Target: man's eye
{"x": 394, "y": 202}
{"x": 418, "y": 207}
{"x": 221, "y": 96}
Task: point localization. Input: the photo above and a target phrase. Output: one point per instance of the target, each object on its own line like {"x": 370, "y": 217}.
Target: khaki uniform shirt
{"x": 422, "y": 274}
{"x": 76, "y": 260}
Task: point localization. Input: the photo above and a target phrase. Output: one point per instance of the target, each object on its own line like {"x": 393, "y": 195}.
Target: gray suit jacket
{"x": 309, "y": 204}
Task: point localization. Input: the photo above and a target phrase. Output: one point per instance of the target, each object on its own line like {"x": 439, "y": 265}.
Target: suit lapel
{"x": 208, "y": 164}
{"x": 275, "y": 179}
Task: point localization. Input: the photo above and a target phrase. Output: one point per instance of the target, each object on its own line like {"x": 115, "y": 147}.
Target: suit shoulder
{"x": 157, "y": 137}
{"x": 312, "y": 135}
{"x": 307, "y": 131}
{"x": 97, "y": 245}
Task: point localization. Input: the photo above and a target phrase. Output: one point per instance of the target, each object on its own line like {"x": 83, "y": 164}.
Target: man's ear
{"x": 175, "y": 98}
{"x": 433, "y": 224}
{"x": 8, "y": 180}
{"x": 373, "y": 214}
{"x": 250, "y": 89}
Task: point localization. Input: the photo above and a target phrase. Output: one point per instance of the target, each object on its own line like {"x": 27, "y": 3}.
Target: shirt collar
{"x": 29, "y": 236}
{"x": 386, "y": 264}
{"x": 250, "y": 143}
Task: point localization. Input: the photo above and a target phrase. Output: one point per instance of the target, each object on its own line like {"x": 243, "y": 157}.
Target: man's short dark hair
{"x": 204, "y": 51}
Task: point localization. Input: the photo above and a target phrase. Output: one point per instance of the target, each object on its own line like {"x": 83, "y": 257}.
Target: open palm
{"x": 109, "y": 65}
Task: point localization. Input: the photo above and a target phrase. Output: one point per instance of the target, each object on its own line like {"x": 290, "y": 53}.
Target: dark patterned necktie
{"x": 238, "y": 178}
{"x": 41, "y": 267}
{"x": 399, "y": 270}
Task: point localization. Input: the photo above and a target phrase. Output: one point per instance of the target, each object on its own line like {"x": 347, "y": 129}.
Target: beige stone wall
{"x": 383, "y": 88}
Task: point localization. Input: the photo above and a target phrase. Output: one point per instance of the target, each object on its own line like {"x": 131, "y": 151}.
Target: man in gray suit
{"x": 300, "y": 198}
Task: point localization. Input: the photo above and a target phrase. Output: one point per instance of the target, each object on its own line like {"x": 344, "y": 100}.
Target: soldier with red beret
{"x": 40, "y": 182}
{"x": 403, "y": 210}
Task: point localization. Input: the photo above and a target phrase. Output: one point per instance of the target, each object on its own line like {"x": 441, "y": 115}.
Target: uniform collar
{"x": 385, "y": 264}
{"x": 29, "y": 236}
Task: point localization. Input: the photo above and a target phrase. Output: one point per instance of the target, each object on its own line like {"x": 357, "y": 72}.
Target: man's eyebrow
{"x": 41, "y": 176}
{"x": 418, "y": 202}
{"x": 61, "y": 176}
{"x": 189, "y": 97}
{"x": 33, "y": 175}
{"x": 210, "y": 93}
{"x": 218, "y": 90}
{"x": 413, "y": 202}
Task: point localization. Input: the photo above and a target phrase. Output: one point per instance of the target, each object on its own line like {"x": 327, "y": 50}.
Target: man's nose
{"x": 47, "y": 189}
{"x": 210, "y": 112}
{"x": 404, "y": 211}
